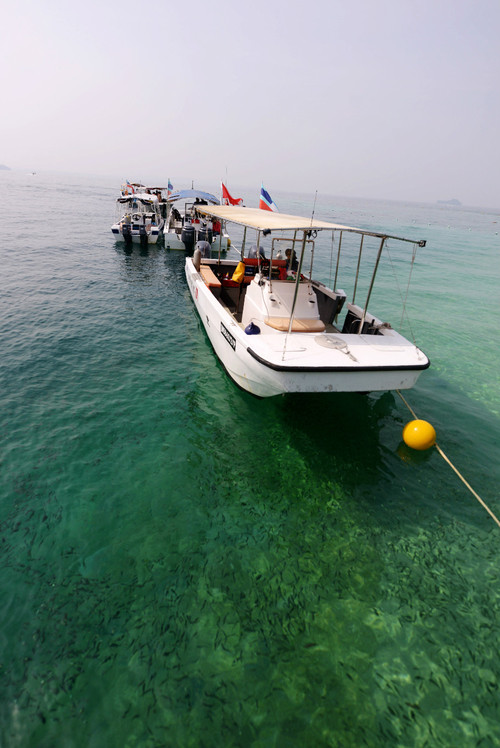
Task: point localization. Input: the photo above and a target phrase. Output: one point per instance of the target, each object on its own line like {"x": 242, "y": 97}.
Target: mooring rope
{"x": 446, "y": 459}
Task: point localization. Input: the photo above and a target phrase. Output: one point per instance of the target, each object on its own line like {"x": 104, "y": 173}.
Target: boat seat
{"x": 298, "y": 324}
{"x": 209, "y": 277}
{"x": 253, "y": 261}
{"x": 278, "y": 268}
{"x": 228, "y": 283}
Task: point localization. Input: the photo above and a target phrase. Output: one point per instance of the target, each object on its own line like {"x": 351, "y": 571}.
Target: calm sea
{"x": 185, "y": 565}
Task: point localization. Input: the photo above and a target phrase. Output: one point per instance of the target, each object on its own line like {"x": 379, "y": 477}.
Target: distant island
{"x": 5, "y": 168}
{"x": 450, "y": 202}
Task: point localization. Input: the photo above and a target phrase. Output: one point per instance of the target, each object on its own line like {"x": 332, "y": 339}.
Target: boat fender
{"x": 252, "y": 329}
{"x": 197, "y": 260}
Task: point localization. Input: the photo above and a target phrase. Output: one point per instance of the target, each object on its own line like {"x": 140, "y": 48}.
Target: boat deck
{"x": 236, "y": 315}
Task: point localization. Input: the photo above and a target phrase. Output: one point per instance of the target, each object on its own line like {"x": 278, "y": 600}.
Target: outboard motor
{"x": 205, "y": 235}
{"x": 188, "y": 237}
{"x": 252, "y": 252}
{"x": 204, "y": 248}
{"x": 127, "y": 232}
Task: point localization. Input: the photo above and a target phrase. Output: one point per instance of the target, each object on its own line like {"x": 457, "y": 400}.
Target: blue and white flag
{"x": 266, "y": 201}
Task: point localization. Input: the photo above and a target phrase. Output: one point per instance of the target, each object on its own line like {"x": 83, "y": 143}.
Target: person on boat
{"x": 291, "y": 259}
{"x": 216, "y": 227}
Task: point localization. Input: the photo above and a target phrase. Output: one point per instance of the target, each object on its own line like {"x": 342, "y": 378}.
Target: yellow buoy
{"x": 419, "y": 435}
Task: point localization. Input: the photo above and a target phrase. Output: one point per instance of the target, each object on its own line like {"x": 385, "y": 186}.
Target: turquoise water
{"x": 185, "y": 565}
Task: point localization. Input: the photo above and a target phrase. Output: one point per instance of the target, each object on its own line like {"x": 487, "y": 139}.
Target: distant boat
{"x": 138, "y": 218}
{"x": 276, "y": 330}
{"x": 129, "y": 188}
{"x": 454, "y": 201}
{"x": 185, "y": 226}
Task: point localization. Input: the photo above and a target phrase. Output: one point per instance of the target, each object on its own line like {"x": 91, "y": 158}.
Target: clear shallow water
{"x": 185, "y": 565}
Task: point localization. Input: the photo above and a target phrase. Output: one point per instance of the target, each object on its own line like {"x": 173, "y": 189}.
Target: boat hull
{"x": 274, "y": 364}
{"x": 172, "y": 240}
{"x": 135, "y": 236}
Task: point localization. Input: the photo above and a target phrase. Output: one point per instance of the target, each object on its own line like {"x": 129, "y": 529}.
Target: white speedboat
{"x": 138, "y": 218}
{"x": 185, "y": 226}
{"x": 277, "y": 330}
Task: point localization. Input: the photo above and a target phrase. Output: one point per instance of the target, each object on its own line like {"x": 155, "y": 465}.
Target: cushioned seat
{"x": 209, "y": 277}
{"x": 228, "y": 283}
{"x": 298, "y": 324}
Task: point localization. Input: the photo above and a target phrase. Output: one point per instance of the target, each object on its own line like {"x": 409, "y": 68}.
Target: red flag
{"x": 227, "y": 199}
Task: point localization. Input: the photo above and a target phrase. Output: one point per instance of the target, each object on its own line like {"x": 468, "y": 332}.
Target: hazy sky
{"x": 397, "y": 99}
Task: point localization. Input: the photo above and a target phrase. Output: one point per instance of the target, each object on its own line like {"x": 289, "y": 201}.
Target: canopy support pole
{"x": 338, "y": 262}
{"x": 296, "y": 291}
{"x": 243, "y": 242}
{"x": 357, "y": 269}
{"x": 362, "y": 322}
{"x": 220, "y": 239}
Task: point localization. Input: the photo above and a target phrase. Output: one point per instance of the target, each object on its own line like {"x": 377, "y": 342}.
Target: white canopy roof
{"x": 263, "y": 219}
{"x": 259, "y": 219}
{"x": 142, "y": 197}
